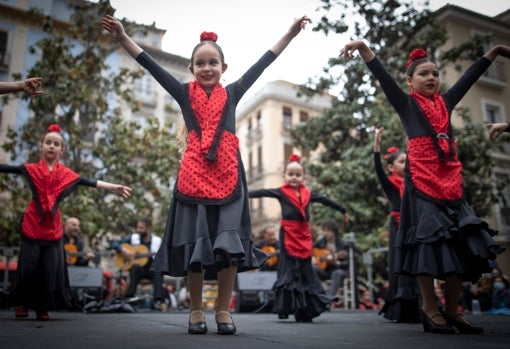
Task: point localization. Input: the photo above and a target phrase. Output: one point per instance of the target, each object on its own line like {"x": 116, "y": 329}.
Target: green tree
{"x": 82, "y": 95}
{"x": 344, "y": 169}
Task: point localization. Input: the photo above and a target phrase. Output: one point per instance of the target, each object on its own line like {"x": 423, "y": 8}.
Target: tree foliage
{"x": 344, "y": 134}
{"x": 82, "y": 95}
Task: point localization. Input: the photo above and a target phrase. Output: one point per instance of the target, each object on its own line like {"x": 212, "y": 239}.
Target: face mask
{"x": 499, "y": 286}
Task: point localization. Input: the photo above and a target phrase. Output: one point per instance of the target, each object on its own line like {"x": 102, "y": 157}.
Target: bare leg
{"x": 453, "y": 289}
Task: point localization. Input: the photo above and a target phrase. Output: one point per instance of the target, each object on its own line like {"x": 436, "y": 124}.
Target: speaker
{"x": 254, "y": 291}
{"x": 86, "y": 284}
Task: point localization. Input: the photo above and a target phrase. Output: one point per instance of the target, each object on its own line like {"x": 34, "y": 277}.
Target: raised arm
{"x": 113, "y": 25}
{"x": 294, "y": 30}
{"x": 497, "y": 50}
{"x": 377, "y": 139}
{"x": 117, "y": 188}
{"x": 30, "y": 86}
{"x": 365, "y": 52}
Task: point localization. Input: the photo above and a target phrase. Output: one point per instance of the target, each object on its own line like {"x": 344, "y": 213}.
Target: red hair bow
{"x": 294, "y": 158}
{"x": 415, "y": 54}
{"x": 208, "y": 36}
{"x": 54, "y": 128}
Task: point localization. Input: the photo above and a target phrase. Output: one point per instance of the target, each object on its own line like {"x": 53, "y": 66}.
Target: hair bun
{"x": 54, "y": 128}
{"x": 208, "y": 36}
{"x": 295, "y": 158}
{"x": 416, "y": 54}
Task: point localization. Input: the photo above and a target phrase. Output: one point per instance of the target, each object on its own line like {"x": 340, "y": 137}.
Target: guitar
{"x": 72, "y": 254}
{"x": 324, "y": 257}
{"x": 272, "y": 255}
{"x": 141, "y": 256}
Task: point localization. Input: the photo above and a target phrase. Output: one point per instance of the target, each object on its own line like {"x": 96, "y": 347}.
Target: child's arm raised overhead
{"x": 113, "y": 25}
{"x": 294, "y": 30}
{"x": 365, "y": 52}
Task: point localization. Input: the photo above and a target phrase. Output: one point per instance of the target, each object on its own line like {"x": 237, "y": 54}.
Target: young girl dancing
{"x": 41, "y": 270}
{"x": 208, "y": 230}
{"x": 439, "y": 236}
{"x": 298, "y": 289}
{"x": 401, "y": 301}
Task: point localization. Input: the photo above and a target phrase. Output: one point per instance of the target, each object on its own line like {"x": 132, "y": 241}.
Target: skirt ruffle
{"x": 298, "y": 289}
{"x": 401, "y": 303}
{"x": 211, "y": 237}
{"x": 441, "y": 240}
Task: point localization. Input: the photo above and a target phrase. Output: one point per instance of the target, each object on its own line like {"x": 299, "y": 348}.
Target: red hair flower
{"x": 295, "y": 158}
{"x": 391, "y": 151}
{"x": 54, "y": 128}
{"x": 208, "y": 36}
{"x": 416, "y": 54}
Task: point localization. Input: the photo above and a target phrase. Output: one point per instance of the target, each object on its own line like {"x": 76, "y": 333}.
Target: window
{"x": 303, "y": 117}
{"x": 143, "y": 87}
{"x": 260, "y": 166}
{"x": 287, "y": 152}
{"x": 493, "y": 112}
{"x": 287, "y": 118}
{"x": 3, "y": 49}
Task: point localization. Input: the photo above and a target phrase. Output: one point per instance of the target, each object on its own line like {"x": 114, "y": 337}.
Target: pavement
{"x": 145, "y": 328}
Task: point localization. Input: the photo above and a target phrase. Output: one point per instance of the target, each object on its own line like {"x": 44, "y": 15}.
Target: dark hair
{"x": 145, "y": 220}
{"x": 391, "y": 157}
{"x": 330, "y": 225}
{"x": 416, "y": 57}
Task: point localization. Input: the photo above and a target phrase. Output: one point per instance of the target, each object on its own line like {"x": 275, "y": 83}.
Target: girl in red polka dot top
{"x": 208, "y": 231}
{"x": 439, "y": 235}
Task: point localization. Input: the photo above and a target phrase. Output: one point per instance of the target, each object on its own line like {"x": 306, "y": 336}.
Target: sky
{"x": 248, "y": 28}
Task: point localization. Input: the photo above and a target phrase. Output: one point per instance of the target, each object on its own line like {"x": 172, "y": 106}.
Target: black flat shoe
{"x": 432, "y": 327}
{"x": 462, "y": 327}
{"x": 197, "y": 328}
{"x": 225, "y": 327}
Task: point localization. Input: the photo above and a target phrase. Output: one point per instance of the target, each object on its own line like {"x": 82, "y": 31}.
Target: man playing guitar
{"x": 330, "y": 256}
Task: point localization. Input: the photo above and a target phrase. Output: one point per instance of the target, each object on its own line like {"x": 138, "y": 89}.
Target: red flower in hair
{"x": 54, "y": 128}
{"x": 208, "y": 36}
{"x": 415, "y": 54}
{"x": 390, "y": 151}
{"x": 294, "y": 158}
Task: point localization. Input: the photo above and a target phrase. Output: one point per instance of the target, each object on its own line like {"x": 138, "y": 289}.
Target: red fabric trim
{"x": 398, "y": 183}
{"x": 301, "y": 201}
{"x": 297, "y": 238}
{"x": 49, "y": 186}
{"x": 207, "y": 110}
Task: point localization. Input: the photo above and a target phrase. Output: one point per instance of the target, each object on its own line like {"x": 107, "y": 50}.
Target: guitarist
{"x": 142, "y": 236}
{"x": 270, "y": 245}
{"x": 74, "y": 244}
{"x": 331, "y": 256}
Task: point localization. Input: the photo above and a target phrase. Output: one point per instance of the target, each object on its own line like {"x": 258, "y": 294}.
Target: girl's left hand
{"x": 298, "y": 25}
{"x": 122, "y": 190}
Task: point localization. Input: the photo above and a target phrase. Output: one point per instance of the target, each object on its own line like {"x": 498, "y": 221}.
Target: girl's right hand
{"x": 112, "y": 25}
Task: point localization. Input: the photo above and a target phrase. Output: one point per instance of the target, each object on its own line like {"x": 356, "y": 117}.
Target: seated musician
{"x": 74, "y": 244}
{"x": 270, "y": 245}
{"x": 139, "y": 260}
{"x": 330, "y": 256}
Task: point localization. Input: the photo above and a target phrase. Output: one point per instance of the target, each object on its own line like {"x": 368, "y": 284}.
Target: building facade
{"x": 19, "y": 32}
{"x": 488, "y": 100}
{"x": 263, "y": 127}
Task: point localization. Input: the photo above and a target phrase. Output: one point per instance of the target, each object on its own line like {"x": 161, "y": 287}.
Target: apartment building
{"x": 263, "y": 127}
{"x": 19, "y": 32}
